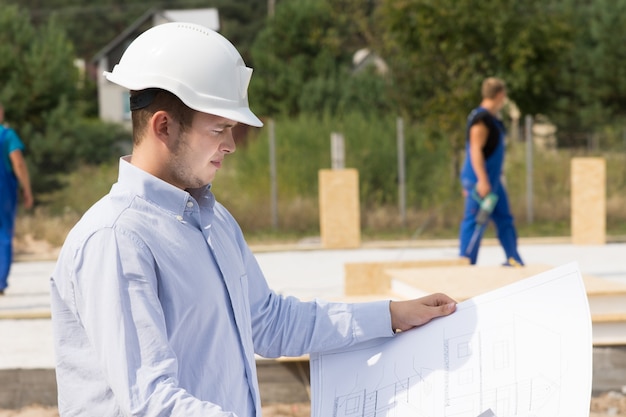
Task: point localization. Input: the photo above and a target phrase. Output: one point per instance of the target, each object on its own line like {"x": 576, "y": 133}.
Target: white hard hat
{"x": 198, "y": 65}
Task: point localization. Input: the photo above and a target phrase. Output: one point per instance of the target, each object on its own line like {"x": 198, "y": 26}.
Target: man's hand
{"x": 483, "y": 188}
{"x": 21, "y": 172}
{"x": 28, "y": 199}
{"x": 408, "y": 314}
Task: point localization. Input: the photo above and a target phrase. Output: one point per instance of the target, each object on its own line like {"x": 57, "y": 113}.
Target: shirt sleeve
{"x": 286, "y": 326}
{"x": 480, "y": 117}
{"x": 116, "y": 299}
{"x": 14, "y": 143}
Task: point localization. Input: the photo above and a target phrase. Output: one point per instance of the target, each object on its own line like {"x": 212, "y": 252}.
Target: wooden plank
{"x": 611, "y": 333}
{"x": 363, "y": 278}
{"x": 340, "y": 218}
{"x": 588, "y": 199}
{"x": 459, "y": 282}
{"x": 463, "y": 282}
{"x": 24, "y": 314}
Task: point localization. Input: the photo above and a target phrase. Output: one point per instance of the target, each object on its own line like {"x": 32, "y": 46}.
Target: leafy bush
{"x": 41, "y": 91}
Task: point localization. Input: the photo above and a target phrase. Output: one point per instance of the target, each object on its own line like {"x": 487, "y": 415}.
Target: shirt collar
{"x": 157, "y": 191}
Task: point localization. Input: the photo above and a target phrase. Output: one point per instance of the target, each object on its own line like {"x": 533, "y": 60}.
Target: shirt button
{"x": 179, "y": 218}
{"x": 189, "y": 204}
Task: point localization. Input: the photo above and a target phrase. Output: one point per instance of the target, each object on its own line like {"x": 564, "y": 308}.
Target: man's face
{"x": 198, "y": 153}
{"x": 500, "y": 100}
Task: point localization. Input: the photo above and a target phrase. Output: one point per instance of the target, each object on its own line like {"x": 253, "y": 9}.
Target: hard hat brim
{"x": 238, "y": 114}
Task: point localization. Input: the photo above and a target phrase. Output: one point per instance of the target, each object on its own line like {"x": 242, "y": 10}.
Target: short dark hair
{"x": 163, "y": 101}
{"x": 492, "y": 86}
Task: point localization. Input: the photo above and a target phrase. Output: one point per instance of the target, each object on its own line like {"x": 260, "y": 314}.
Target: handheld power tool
{"x": 487, "y": 204}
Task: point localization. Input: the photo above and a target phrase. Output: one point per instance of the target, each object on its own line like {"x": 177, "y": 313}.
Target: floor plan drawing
{"x": 500, "y": 353}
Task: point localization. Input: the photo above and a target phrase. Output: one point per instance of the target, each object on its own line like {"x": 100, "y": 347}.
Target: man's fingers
{"x": 442, "y": 305}
{"x": 439, "y": 300}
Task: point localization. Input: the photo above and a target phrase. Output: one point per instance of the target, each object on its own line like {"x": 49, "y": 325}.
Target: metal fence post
{"x": 401, "y": 170}
{"x": 337, "y": 151}
{"x": 529, "y": 168}
{"x": 273, "y": 176}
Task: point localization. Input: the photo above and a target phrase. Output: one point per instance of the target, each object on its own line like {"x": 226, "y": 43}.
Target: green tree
{"x": 296, "y": 46}
{"x": 39, "y": 86}
{"x": 440, "y": 51}
{"x": 303, "y": 61}
{"x": 91, "y": 25}
{"x": 592, "y": 84}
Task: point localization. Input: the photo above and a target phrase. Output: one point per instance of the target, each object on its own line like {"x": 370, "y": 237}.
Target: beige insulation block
{"x": 340, "y": 217}
{"x": 588, "y": 176}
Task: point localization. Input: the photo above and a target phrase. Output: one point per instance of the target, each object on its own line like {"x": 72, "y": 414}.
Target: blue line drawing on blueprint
{"x": 413, "y": 393}
{"x": 471, "y": 362}
{"x": 489, "y": 355}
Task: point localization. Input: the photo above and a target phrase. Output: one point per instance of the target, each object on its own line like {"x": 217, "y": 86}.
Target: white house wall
{"x": 111, "y": 98}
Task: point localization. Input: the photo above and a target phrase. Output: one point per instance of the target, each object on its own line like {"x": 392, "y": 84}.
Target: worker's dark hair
{"x": 492, "y": 86}
{"x": 145, "y": 103}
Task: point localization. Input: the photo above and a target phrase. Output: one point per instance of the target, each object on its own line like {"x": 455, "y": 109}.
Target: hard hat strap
{"x": 143, "y": 98}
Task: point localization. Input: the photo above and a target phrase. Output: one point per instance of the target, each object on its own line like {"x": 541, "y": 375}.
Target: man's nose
{"x": 228, "y": 145}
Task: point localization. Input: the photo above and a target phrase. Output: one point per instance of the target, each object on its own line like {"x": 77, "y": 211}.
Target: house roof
{"x": 206, "y": 17}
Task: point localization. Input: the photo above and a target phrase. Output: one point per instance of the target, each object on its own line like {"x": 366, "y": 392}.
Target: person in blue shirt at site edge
{"x": 482, "y": 174}
{"x": 158, "y": 305}
{"x": 13, "y": 176}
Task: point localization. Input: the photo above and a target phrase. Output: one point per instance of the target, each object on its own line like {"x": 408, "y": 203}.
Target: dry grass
{"x": 42, "y": 226}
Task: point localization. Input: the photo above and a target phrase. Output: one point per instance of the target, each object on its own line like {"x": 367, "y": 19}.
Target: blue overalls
{"x": 8, "y": 206}
{"x": 501, "y": 214}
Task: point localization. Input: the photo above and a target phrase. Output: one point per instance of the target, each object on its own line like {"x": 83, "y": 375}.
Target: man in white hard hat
{"x": 158, "y": 305}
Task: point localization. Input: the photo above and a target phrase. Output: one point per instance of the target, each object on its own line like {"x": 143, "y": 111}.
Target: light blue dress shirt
{"x": 158, "y": 307}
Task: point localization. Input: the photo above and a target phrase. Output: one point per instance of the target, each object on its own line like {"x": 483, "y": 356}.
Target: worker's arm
{"x": 477, "y": 139}
{"x": 21, "y": 172}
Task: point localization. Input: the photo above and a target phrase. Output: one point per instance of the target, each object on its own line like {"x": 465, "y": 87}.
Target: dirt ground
{"x": 610, "y": 404}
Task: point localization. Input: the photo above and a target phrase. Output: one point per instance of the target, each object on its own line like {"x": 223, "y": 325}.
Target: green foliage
{"x": 36, "y": 70}
{"x": 93, "y": 24}
{"x": 294, "y": 48}
{"x": 303, "y": 148}
{"x": 303, "y": 63}
{"x": 564, "y": 59}
{"x": 78, "y": 195}
{"x": 592, "y": 84}
{"x": 40, "y": 89}
{"x": 440, "y": 51}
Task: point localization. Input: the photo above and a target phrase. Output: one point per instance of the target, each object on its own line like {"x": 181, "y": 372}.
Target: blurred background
{"x": 322, "y": 66}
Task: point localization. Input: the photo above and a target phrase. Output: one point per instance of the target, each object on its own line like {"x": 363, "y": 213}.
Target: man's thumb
{"x": 446, "y": 309}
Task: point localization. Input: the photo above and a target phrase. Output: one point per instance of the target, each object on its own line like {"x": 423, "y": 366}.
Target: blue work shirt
{"x": 495, "y": 160}
{"x": 158, "y": 307}
{"x": 9, "y": 142}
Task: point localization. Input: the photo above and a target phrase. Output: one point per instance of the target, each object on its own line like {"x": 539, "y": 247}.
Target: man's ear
{"x": 163, "y": 126}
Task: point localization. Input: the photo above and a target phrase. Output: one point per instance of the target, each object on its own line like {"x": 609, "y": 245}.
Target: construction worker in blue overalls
{"x": 481, "y": 177}
{"x": 13, "y": 173}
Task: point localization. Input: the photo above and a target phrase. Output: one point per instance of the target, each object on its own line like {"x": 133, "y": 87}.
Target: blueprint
{"x": 520, "y": 351}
